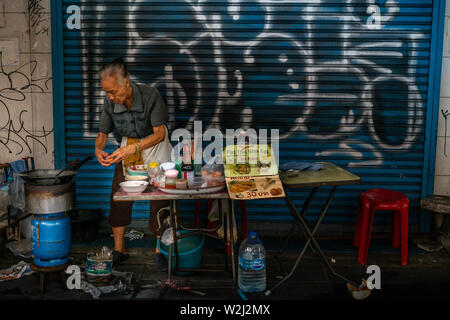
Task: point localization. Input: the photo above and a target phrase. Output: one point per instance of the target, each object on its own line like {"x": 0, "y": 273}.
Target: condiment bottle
{"x": 153, "y": 170}
{"x": 186, "y": 164}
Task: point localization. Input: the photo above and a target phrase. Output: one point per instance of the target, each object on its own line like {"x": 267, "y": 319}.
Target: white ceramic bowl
{"x": 136, "y": 178}
{"x": 134, "y": 186}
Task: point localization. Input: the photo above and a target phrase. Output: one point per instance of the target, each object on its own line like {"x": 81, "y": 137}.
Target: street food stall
{"x": 243, "y": 181}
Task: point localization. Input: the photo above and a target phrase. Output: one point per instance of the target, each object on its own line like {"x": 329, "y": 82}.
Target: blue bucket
{"x": 190, "y": 250}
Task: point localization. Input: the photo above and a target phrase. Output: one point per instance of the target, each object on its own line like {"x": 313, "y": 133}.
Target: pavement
{"x": 425, "y": 277}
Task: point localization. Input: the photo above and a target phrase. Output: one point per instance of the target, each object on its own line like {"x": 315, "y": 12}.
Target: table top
{"x": 436, "y": 203}
{"x": 152, "y": 193}
{"x": 329, "y": 175}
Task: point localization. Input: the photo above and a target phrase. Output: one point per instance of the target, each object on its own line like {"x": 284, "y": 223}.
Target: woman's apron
{"x": 158, "y": 153}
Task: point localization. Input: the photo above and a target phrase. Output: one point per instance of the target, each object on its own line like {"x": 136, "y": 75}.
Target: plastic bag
{"x": 17, "y": 192}
{"x": 220, "y": 231}
{"x": 21, "y": 248}
{"x": 4, "y": 200}
{"x": 167, "y": 237}
{"x": 213, "y": 214}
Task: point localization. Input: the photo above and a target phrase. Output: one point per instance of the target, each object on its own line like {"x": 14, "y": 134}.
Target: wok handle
{"x": 67, "y": 167}
{"x": 79, "y": 164}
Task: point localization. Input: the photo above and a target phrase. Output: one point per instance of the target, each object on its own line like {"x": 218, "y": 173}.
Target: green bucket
{"x": 190, "y": 250}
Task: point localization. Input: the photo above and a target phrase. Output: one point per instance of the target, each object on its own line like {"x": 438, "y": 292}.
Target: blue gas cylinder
{"x": 51, "y": 239}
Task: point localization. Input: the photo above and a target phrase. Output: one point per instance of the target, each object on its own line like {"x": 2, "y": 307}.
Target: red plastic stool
{"x": 382, "y": 199}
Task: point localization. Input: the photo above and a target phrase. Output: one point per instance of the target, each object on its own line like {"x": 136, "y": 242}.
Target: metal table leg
{"x": 232, "y": 218}
{"x": 310, "y": 239}
{"x": 302, "y": 213}
{"x": 225, "y": 231}
{"x": 228, "y": 240}
{"x": 175, "y": 240}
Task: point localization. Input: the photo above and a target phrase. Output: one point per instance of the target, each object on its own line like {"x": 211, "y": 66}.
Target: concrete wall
{"x": 442, "y": 171}
{"x": 26, "y": 107}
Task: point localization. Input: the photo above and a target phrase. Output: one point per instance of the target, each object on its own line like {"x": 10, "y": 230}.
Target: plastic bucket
{"x": 190, "y": 250}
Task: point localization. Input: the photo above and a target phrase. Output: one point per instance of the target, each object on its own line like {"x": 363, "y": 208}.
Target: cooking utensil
{"x": 78, "y": 165}
{"x": 67, "y": 167}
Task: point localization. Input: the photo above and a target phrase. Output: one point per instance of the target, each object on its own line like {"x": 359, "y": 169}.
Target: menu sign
{"x": 251, "y": 172}
{"x": 254, "y": 187}
{"x": 249, "y": 160}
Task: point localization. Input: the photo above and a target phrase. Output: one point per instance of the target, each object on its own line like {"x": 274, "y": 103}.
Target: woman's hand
{"x": 121, "y": 154}
{"x": 101, "y": 155}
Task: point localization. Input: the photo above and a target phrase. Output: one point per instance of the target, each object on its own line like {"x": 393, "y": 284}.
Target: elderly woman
{"x": 138, "y": 116}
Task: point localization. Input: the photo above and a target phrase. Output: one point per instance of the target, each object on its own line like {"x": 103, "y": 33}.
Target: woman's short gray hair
{"x": 115, "y": 68}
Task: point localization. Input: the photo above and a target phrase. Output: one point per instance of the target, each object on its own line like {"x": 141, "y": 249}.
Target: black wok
{"x": 47, "y": 177}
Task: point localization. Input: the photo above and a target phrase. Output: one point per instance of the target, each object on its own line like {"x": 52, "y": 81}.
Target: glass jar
{"x": 159, "y": 180}
{"x": 153, "y": 171}
{"x": 171, "y": 178}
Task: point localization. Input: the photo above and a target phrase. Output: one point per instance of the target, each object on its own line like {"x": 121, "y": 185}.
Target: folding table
{"x": 329, "y": 175}
{"x": 152, "y": 193}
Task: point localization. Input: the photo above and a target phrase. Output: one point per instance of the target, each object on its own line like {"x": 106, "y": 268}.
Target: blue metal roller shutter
{"x": 338, "y": 88}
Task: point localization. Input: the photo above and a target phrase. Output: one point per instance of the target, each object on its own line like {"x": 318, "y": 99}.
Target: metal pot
{"x": 45, "y": 199}
{"x": 47, "y": 177}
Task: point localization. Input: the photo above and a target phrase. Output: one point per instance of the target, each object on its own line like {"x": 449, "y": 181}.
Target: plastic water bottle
{"x": 252, "y": 264}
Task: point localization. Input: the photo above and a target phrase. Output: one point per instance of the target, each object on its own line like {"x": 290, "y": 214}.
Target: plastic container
{"x": 213, "y": 175}
{"x": 181, "y": 184}
{"x": 153, "y": 169}
{"x": 215, "y": 181}
{"x": 159, "y": 180}
{"x": 190, "y": 251}
{"x": 252, "y": 264}
{"x": 196, "y": 183}
{"x": 171, "y": 178}
{"x": 167, "y": 166}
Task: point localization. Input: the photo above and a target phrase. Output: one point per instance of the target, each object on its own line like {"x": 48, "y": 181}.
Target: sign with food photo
{"x": 251, "y": 172}
{"x": 259, "y": 187}
{"x": 249, "y": 160}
